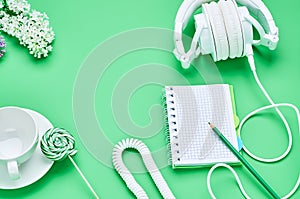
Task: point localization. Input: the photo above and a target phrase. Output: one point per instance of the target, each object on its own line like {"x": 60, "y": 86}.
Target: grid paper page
{"x": 196, "y": 143}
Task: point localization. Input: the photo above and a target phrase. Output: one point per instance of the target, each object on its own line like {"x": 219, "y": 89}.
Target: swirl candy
{"x": 58, "y": 144}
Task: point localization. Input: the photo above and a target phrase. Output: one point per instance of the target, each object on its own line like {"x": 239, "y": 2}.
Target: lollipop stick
{"x": 82, "y": 176}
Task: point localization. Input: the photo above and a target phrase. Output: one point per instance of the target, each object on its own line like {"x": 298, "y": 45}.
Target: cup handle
{"x": 13, "y": 170}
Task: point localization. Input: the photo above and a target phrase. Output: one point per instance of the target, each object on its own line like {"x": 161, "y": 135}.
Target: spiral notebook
{"x": 189, "y": 109}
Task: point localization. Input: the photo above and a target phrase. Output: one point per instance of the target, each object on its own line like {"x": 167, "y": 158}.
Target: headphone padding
{"x": 233, "y": 28}
{"x": 218, "y": 29}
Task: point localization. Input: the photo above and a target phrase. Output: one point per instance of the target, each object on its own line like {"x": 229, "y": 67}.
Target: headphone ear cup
{"x": 217, "y": 25}
{"x": 233, "y": 27}
{"x": 247, "y": 30}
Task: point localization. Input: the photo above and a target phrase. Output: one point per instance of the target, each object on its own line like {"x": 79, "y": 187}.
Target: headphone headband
{"x": 259, "y": 9}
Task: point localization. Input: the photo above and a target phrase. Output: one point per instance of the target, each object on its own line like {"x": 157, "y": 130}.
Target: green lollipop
{"x": 58, "y": 144}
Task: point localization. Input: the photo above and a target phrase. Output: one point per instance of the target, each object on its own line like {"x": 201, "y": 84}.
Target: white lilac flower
{"x": 18, "y": 6}
{"x": 1, "y": 4}
{"x": 32, "y": 28}
{"x": 2, "y": 46}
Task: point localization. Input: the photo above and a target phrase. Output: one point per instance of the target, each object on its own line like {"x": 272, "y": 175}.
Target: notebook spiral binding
{"x": 166, "y": 125}
{"x": 171, "y": 125}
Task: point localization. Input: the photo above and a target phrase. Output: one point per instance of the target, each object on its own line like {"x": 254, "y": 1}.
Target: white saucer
{"x": 34, "y": 168}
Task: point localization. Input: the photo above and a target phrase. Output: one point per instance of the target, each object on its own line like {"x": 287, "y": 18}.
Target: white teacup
{"x": 18, "y": 138}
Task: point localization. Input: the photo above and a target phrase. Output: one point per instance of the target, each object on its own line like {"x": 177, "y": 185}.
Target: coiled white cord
{"x": 267, "y": 160}
{"x": 131, "y": 183}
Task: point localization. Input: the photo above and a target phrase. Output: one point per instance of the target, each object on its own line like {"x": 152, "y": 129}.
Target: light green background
{"x": 47, "y": 86}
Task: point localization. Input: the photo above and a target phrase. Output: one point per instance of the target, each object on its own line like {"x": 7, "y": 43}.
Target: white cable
{"x": 239, "y": 182}
{"x": 282, "y": 156}
{"x": 268, "y": 160}
{"x": 252, "y": 66}
{"x": 232, "y": 171}
{"x": 288, "y": 129}
{"x": 235, "y": 174}
{"x": 131, "y": 183}
{"x": 293, "y": 190}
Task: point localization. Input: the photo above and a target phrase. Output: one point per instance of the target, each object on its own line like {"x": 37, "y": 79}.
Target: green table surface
{"x": 50, "y": 86}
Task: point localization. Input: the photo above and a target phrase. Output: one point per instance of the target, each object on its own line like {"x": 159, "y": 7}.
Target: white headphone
{"x": 223, "y": 29}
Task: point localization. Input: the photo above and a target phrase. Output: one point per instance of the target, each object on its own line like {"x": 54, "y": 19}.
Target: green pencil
{"x": 244, "y": 161}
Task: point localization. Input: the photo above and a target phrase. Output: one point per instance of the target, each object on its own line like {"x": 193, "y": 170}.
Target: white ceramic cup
{"x": 18, "y": 138}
